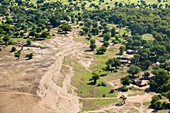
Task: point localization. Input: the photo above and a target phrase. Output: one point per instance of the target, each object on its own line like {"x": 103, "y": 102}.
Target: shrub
{"x": 126, "y": 80}
{"x": 29, "y": 56}
{"x": 124, "y": 88}
{"x": 13, "y": 49}
{"x": 111, "y": 91}
{"x": 101, "y": 50}
{"x": 18, "y": 54}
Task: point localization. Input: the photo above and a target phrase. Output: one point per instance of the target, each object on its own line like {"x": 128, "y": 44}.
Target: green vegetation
{"x": 13, "y": 49}
{"x": 96, "y": 103}
{"x": 126, "y": 80}
{"x": 84, "y": 81}
{"x": 29, "y": 56}
{"x": 141, "y": 28}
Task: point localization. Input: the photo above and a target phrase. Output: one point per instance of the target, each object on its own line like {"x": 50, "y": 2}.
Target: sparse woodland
{"x": 32, "y": 21}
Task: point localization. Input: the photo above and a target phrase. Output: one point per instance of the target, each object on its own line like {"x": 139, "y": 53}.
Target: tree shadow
{"x": 118, "y": 54}
{"x": 101, "y": 41}
{"x": 89, "y": 50}
{"x": 102, "y": 75}
{"x": 99, "y": 53}
{"x": 120, "y": 89}
{"x": 91, "y": 83}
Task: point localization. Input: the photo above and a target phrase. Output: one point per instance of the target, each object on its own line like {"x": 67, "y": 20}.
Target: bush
{"x": 124, "y": 88}
{"x": 106, "y": 43}
{"x": 29, "y": 56}
{"x": 101, "y": 50}
{"x": 126, "y": 80}
{"x": 28, "y": 42}
{"x": 18, "y": 54}
{"x": 13, "y": 49}
{"x": 102, "y": 84}
{"x": 111, "y": 91}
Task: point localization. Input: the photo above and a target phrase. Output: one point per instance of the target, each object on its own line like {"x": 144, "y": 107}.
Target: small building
{"x": 124, "y": 61}
{"x": 167, "y": 60}
{"x": 63, "y": 21}
{"x": 123, "y": 58}
{"x": 61, "y": 32}
{"x": 130, "y": 51}
{"x": 32, "y": 37}
{"x": 139, "y": 82}
{"x": 158, "y": 64}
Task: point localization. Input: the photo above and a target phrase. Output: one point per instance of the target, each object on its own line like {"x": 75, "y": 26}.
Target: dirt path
{"x": 130, "y": 106}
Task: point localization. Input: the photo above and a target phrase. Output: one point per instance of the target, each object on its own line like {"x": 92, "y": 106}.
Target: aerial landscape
{"x": 84, "y": 56}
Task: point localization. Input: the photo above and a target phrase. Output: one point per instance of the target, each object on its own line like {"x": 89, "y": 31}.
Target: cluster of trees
{"x": 161, "y": 81}
{"x": 23, "y": 19}
{"x": 157, "y": 104}
{"x": 115, "y": 62}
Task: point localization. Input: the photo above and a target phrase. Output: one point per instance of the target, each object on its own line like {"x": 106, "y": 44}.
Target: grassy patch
{"x": 81, "y": 80}
{"x": 148, "y": 37}
{"x": 146, "y": 104}
{"x": 95, "y": 104}
{"x": 136, "y": 91}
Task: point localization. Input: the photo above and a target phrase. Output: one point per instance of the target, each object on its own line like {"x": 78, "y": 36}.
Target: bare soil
{"x": 29, "y": 86}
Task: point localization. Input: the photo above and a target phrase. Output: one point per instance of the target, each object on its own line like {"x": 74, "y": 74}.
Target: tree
{"x": 123, "y": 99}
{"x": 116, "y": 62}
{"x": 162, "y": 59}
{"x": 13, "y": 49}
{"x": 92, "y": 47}
{"x": 168, "y": 95}
{"x": 116, "y": 4}
{"x": 145, "y": 56}
{"x": 95, "y": 77}
{"x": 109, "y": 64}
{"x": 147, "y": 63}
{"x": 101, "y": 50}
{"x": 95, "y": 31}
{"x": 146, "y": 75}
{"x": 159, "y": 50}
{"x": 126, "y": 80}
{"x": 29, "y": 56}
{"x": 107, "y": 37}
{"x": 85, "y": 29}
{"x": 28, "y": 42}
{"x": 106, "y": 43}
{"x": 45, "y": 35}
{"x": 161, "y": 77}
{"x": 113, "y": 31}
{"x": 134, "y": 70}
{"x": 7, "y": 39}
{"x": 155, "y": 103}
{"x": 121, "y": 49}
{"x": 18, "y": 54}
{"x": 65, "y": 27}
{"x": 92, "y": 44}
{"x": 135, "y": 59}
